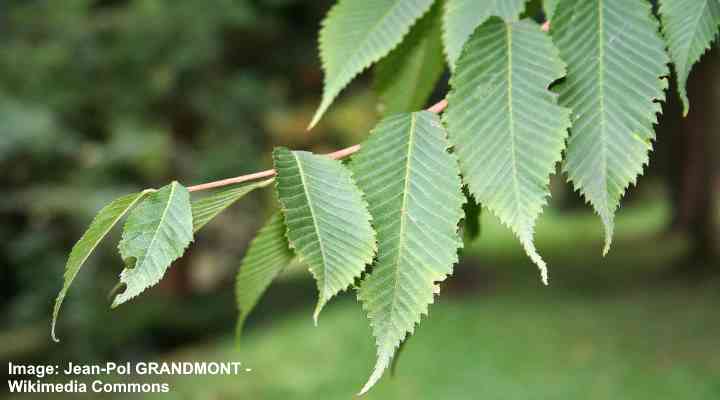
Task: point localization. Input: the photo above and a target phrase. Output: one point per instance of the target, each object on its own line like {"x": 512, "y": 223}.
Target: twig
{"x": 268, "y": 173}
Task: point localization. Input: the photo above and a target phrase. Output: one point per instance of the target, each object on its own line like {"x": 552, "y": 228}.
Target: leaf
{"x": 549, "y": 6}
{"x": 156, "y": 233}
{"x": 327, "y": 220}
{"x": 396, "y": 359}
{"x": 616, "y": 60}
{"x": 463, "y": 16}
{"x": 356, "y": 34}
{"x": 506, "y": 126}
{"x": 690, "y": 26}
{"x": 207, "y": 208}
{"x": 267, "y": 255}
{"x": 407, "y": 76}
{"x": 103, "y": 222}
{"x": 412, "y": 185}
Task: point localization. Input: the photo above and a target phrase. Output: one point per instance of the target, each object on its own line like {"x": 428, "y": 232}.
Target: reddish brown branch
{"x": 268, "y": 173}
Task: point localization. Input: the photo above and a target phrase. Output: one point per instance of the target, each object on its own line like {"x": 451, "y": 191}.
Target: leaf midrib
{"x": 173, "y": 186}
{"x": 601, "y": 88}
{"x": 403, "y": 214}
{"x": 513, "y": 151}
{"x": 315, "y": 224}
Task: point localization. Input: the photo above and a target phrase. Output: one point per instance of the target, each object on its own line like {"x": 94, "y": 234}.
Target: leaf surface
{"x": 156, "y": 233}
{"x": 616, "y": 64}
{"x": 208, "y": 207}
{"x": 103, "y": 222}
{"x": 407, "y": 76}
{"x": 356, "y": 34}
{"x": 463, "y": 16}
{"x": 506, "y": 127}
{"x": 412, "y": 185}
{"x": 690, "y": 26}
{"x": 267, "y": 256}
{"x": 328, "y": 224}
{"x": 549, "y": 7}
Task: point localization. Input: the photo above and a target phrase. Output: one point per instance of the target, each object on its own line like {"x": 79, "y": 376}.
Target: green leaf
{"x": 407, "y": 76}
{"x": 156, "y": 233}
{"x": 327, "y": 220}
{"x": 356, "y": 34}
{"x": 690, "y": 26}
{"x": 267, "y": 256}
{"x": 506, "y": 126}
{"x": 103, "y": 222}
{"x": 549, "y": 7}
{"x": 463, "y": 16}
{"x": 207, "y": 208}
{"x": 412, "y": 185}
{"x": 616, "y": 64}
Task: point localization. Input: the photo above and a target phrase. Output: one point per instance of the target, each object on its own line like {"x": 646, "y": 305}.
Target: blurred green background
{"x": 99, "y": 98}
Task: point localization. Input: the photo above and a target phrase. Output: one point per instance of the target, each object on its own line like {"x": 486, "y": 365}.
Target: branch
{"x": 268, "y": 173}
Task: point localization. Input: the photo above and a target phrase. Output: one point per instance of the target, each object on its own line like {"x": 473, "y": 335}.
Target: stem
{"x": 436, "y": 108}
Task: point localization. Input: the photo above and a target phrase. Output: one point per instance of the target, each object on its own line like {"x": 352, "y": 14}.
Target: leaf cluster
{"x": 586, "y": 94}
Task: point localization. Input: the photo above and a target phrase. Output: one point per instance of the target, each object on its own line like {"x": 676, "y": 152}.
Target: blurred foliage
{"x": 99, "y": 98}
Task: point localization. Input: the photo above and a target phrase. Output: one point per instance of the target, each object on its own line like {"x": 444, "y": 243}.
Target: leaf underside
{"x": 412, "y": 185}
{"x": 356, "y": 34}
{"x": 407, "y": 76}
{"x": 463, "y": 16}
{"x": 267, "y": 256}
{"x": 207, "y": 208}
{"x": 690, "y": 26}
{"x": 156, "y": 233}
{"x": 506, "y": 127}
{"x": 616, "y": 64}
{"x": 103, "y": 222}
{"x": 328, "y": 224}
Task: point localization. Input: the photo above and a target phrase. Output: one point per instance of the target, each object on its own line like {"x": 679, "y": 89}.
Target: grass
{"x": 613, "y": 328}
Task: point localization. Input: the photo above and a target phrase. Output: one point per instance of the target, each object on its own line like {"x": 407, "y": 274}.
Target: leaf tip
{"x": 532, "y": 252}
{"x": 52, "y": 331}
{"x": 116, "y": 302}
{"x": 609, "y": 228}
{"x": 238, "y": 333}
{"x": 606, "y": 248}
{"x": 318, "y": 114}
{"x": 377, "y": 373}
{"x": 318, "y": 308}
{"x": 544, "y": 276}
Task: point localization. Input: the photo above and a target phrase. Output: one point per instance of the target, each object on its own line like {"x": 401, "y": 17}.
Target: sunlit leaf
{"x": 690, "y": 26}
{"x": 615, "y": 81}
{"x": 103, "y": 222}
{"x": 328, "y": 224}
{"x": 463, "y": 16}
{"x": 156, "y": 233}
{"x": 412, "y": 185}
{"x": 356, "y": 34}
{"x": 506, "y": 127}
